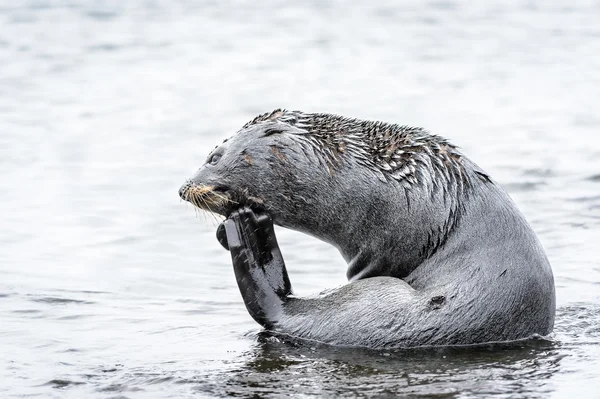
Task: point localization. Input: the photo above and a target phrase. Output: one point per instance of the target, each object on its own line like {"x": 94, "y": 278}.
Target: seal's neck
{"x": 386, "y": 228}
{"x": 387, "y": 233}
{"x": 394, "y": 230}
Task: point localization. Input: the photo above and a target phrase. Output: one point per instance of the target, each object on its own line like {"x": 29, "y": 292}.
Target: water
{"x": 111, "y": 287}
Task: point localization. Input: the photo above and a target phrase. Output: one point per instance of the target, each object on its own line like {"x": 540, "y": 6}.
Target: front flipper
{"x": 257, "y": 262}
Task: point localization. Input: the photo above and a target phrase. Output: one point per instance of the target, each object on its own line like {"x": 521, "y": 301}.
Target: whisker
{"x": 212, "y": 213}
{"x": 204, "y": 200}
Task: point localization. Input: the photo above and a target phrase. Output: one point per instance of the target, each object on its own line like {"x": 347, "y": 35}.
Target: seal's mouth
{"x": 214, "y": 199}
{"x": 220, "y": 199}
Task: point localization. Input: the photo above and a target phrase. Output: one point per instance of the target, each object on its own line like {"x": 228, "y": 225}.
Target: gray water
{"x": 111, "y": 287}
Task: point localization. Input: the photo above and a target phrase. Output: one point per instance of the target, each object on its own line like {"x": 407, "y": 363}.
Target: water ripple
{"x": 61, "y": 301}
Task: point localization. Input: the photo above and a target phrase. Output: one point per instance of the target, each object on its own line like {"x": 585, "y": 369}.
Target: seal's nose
{"x": 183, "y": 190}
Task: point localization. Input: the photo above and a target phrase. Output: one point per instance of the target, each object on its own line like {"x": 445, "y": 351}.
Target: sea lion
{"x": 437, "y": 252}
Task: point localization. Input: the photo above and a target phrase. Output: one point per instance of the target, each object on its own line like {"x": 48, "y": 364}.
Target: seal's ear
{"x": 272, "y": 131}
{"x": 222, "y": 235}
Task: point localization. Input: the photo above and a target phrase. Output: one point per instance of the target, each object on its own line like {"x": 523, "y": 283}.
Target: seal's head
{"x": 259, "y": 167}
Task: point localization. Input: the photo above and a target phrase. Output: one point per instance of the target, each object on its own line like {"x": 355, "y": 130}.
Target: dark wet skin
{"x": 257, "y": 262}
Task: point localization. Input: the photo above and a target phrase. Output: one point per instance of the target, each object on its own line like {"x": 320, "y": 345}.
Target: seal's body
{"x": 437, "y": 252}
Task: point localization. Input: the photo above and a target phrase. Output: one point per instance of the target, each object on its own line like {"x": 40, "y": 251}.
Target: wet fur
{"x": 437, "y": 252}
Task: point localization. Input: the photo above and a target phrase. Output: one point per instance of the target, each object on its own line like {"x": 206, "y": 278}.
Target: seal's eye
{"x": 214, "y": 159}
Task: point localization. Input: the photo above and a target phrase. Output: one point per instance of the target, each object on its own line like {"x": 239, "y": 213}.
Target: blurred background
{"x": 110, "y": 286}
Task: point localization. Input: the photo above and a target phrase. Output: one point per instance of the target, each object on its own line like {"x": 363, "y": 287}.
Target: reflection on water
{"x": 524, "y": 367}
{"x": 110, "y": 287}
